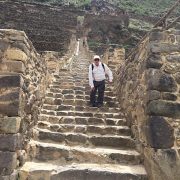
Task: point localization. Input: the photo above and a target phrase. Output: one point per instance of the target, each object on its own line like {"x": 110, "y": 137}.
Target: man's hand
{"x": 92, "y": 88}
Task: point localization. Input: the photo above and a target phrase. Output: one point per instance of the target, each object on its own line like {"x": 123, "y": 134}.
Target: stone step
{"x": 58, "y": 107}
{"x": 82, "y": 114}
{"x": 77, "y": 154}
{"x": 82, "y": 171}
{"x": 71, "y": 82}
{"x": 73, "y": 87}
{"x": 78, "y": 100}
{"x": 85, "y": 129}
{"x": 53, "y": 101}
{"x": 54, "y": 95}
{"x": 83, "y": 139}
{"x": 62, "y": 107}
{"x": 82, "y": 120}
{"x": 78, "y": 96}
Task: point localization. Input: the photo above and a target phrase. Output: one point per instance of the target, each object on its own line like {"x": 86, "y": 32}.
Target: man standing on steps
{"x": 97, "y": 77}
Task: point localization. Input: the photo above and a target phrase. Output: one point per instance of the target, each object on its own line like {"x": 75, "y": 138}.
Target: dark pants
{"x": 100, "y": 86}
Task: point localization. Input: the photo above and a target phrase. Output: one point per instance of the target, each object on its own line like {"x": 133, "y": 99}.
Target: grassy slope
{"x": 142, "y": 7}
{"x": 145, "y": 7}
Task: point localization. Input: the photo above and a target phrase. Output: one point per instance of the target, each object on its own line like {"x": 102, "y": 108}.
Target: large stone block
{"x": 153, "y": 95}
{"x": 16, "y": 54}
{"x": 10, "y": 142}
{"x": 22, "y": 46}
{"x": 158, "y": 36}
{"x": 7, "y": 81}
{"x": 11, "y": 102}
{"x": 3, "y": 45}
{"x": 13, "y": 176}
{"x": 10, "y": 108}
{"x": 159, "y": 133}
{"x": 164, "y": 108}
{"x": 158, "y": 80}
{"x": 12, "y": 66}
{"x": 10, "y": 95}
{"x": 173, "y": 58}
{"x": 8, "y": 162}
{"x": 169, "y": 96}
{"x": 162, "y": 164}
{"x": 154, "y": 61}
{"x": 10, "y": 125}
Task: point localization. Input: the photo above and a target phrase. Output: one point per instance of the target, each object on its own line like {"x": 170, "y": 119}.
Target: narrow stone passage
{"x": 73, "y": 141}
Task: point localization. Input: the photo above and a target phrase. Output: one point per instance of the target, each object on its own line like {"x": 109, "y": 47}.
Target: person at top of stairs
{"x": 97, "y": 76}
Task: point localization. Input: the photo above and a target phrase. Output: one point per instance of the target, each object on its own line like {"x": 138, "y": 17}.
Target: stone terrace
{"x": 48, "y": 27}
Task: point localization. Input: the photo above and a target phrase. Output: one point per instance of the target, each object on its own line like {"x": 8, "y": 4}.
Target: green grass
{"x": 145, "y": 7}
{"x": 142, "y": 7}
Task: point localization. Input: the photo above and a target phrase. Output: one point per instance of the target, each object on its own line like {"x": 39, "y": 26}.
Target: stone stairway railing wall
{"x": 23, "y": 81}
{"x": 24, "y": 78}
{"x": 147, "y": 86}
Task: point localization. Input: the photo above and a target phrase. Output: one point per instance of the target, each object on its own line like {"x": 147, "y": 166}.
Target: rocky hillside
{"x": 141, "y": 7}
{"x": 49, "y": 28}
{"x": 105, "y": 22}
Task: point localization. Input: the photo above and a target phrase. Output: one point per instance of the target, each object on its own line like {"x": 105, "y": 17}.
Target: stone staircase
{"x": 73, "y": 141}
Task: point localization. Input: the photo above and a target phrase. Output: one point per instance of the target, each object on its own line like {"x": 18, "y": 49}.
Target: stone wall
{"x": 24, "y": 78}
{"x": 23, "y": 81}
{"x": 147, "y": 85}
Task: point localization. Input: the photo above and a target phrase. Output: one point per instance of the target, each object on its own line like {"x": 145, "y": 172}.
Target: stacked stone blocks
{"x": 148, "y": 90}
{"x": 23, "y": 79}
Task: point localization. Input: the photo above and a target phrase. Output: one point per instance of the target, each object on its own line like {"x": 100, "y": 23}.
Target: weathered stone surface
{"x": 10, "y": 142}
{"x": 16, "y": 54}
{"x": 158, "y": 36}
{"x": 169, "y": 96}
{"x": 3, "y": 45}
{"x": 12, "y": 66}
{"x": 162, "y": 164}
{"x": 8, "y": 162}
{"x": 10, "y": 124}
{"x": 154, "y": 61}
{"x": 164, "y": 47}
{"x": 160, "y": 134}
{"x": 10, "y": 95}
{"x": 164, "y": 108}
{"x": 58, "y": 101}
{"x": 158, "y": 80}
{"x": 171, "y": 68}
{"x": 49, "y": 153}
{"x": 173, "y": 58}
{"x": 7, "y": 81}
{"x": 11, "y": 102}
{"x": 153, "y": 95}
{"x": 76, "y": 138}
{"x": 22, "y": 46}
{"x": 177, "y": 77}
{"x": 57, "y": 137}
{"x": 10, "y": 109}
{"x": 112, "y": 141}
{"x": 13, "y": 176}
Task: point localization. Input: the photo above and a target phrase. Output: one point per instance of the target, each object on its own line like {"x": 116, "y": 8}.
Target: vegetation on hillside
{"x": 142, "y": 7}
{"x": 145, "y": 7}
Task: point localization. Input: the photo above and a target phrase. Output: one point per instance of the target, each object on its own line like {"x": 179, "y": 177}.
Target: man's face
{"x": 96, "y": 62}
